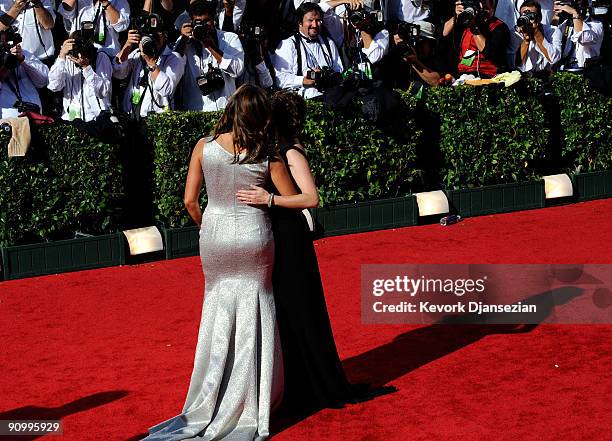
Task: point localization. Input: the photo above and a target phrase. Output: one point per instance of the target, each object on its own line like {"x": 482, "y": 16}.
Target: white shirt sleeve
{"x": 333, "y": 22}
{"x": 57, "y": 76}
{"x": 285, "y": 65}
{"x": 592, "y": 33}
{"x": 378, "y": 48}
{"x": 264, "y": 75}
{"x": 552, "y": 42}
{"x": 35, "y": 69}
{"x": 122, "y": 70}
{"x": 169, "y": 76}
{"x": 232, "y": 62}
{"x": 124, "y": 15}
{"x": 100, "y": 79}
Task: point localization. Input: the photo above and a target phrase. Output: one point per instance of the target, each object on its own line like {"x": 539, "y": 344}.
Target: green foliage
{"x": 67, "y": 182}
{"x": 353, "y": 159}
{"x": 586, "y": 123}
{"x": 174, "y": 134}
{"x": 488, "y": 135}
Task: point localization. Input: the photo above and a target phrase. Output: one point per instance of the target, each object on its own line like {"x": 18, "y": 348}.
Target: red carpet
{"x": 110, "y": 351}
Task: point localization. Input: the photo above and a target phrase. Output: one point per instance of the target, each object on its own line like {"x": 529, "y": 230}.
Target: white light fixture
{"x": 144, "y": 240}
{"x": 558, "y": 186}
{"x": 432, "y": 202}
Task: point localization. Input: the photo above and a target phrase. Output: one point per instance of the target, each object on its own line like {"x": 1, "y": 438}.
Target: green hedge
{"x": 586, "y": 123}
{"x": 488, "y": 135}
{"x": 455, "y": 138}
{"x": 52, "y": 192}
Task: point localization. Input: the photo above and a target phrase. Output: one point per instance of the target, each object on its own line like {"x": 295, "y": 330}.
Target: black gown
{"x": 314, "y": 378}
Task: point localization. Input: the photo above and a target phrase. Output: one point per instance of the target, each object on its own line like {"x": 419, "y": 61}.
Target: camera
{"x": 200, "y": 30}
{"x": 26, "y": 106}
{"x": 147, "y": 25}
{"x": 251, "y": 32}
{"x": 573, "y": 4}
{"x": 83, "y": 44}
{"x": 6, "y": 128}
{"x": 366, "y": 18}
{"x": 325, "y": 78}
{"x": 211, "y": 81}
{"x": 471, "y": 10}
{"x": 9, "y": 38}
{"x": 526, "y": 19}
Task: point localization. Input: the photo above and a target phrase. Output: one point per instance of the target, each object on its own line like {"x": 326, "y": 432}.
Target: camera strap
{"x": 101, "y": 29}
{"x": 299, "y": 42}
{"x": 566, "y": 58}
{"x": 14, "y": 87}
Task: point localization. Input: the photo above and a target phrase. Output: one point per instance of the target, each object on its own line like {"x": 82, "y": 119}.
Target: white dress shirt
{"x": 236, "y": 15}
{"x": 314, "y": 55}
{"x": 584, "y": 44}
{"x": 65, "y": 76}
{"x": 171, "y": 67}
{"x": 29, "y": 75}
{"x": 405, "y": 10}
{"x": 509, "y": 10}
{"x": 26, "y": 23}
{"x": 378, "y": 47}
{"x": 197, "y": 63}
{"x": 87, "y": 11}
{"x": 536, "y": 61}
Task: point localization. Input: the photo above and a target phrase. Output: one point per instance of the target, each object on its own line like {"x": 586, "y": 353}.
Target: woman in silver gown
{"x": 237, "y": 374}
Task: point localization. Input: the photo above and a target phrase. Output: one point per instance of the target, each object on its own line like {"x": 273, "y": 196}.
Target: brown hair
{"x": 288, "y": 114}
{"x": 247, "y": 117}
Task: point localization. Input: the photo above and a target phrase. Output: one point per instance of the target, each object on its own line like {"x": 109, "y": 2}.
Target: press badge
{"x": 468, "y": 57}
{"x": 74, "y": 111}
{"x": 137, "y": 95}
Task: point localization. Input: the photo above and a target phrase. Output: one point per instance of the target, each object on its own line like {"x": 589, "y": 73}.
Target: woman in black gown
{"x": 314, "y": 378}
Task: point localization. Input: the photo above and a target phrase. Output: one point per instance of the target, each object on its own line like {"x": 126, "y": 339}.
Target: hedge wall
{"x": 67, "y": 182}
{"x": 453, "y": 138}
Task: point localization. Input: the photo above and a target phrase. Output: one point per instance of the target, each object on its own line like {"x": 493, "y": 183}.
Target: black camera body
{"x": 9, "y": 38}
{"x": 83, "y": 42}
{"x": 200, "y": 30}
{"x": 471, "y": 10}
{"x": 325, "y": 78}
{"x": 366, "y": 18}
{"x": 211, "y": 81}
{"x": 147, "y": 25}
{"x": 251, "y": 32}
{"x": 526, "y": 19}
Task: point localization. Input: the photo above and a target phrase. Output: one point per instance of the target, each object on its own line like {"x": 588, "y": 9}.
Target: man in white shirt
{"x": 230, "y": 16}
{"x": 154, "y": 71}
{"x": 508, "y": 11}
{"x": 582, "y": 37}
{"x": 84, "y": 75}
{"x": 20, "y": 75}
{"x": 540, "y": 46}
{"x": 306, "y": 51}
{"x": 208, "y": 53}
{"x": 34, "y": 22}
{"x": 108, "y": 16}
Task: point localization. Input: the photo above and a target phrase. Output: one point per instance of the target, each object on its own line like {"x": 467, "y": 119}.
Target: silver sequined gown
{"x": 237, "y": 374}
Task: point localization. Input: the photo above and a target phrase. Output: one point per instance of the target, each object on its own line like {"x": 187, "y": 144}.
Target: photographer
{"x": 20, "y": 74}
{"x": 411, "y": 57}
{"x": 540, "y": 47}
{"x": 370, "y": 39}
{"x": 484, "y": 38}
{"x": 335, "y": 13}
{"x": 154, "y": 70}
{"x": 108, "y": 18}
{"x": 308, "y": 61}
{"x": 213, "y": 60}
{"x": 582, "y": 35}
{"x": 83, "y": 74}
{"x": 257, "y": 61}
{"x": 34, "y": 21}
{"x": 508, "y": 11}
